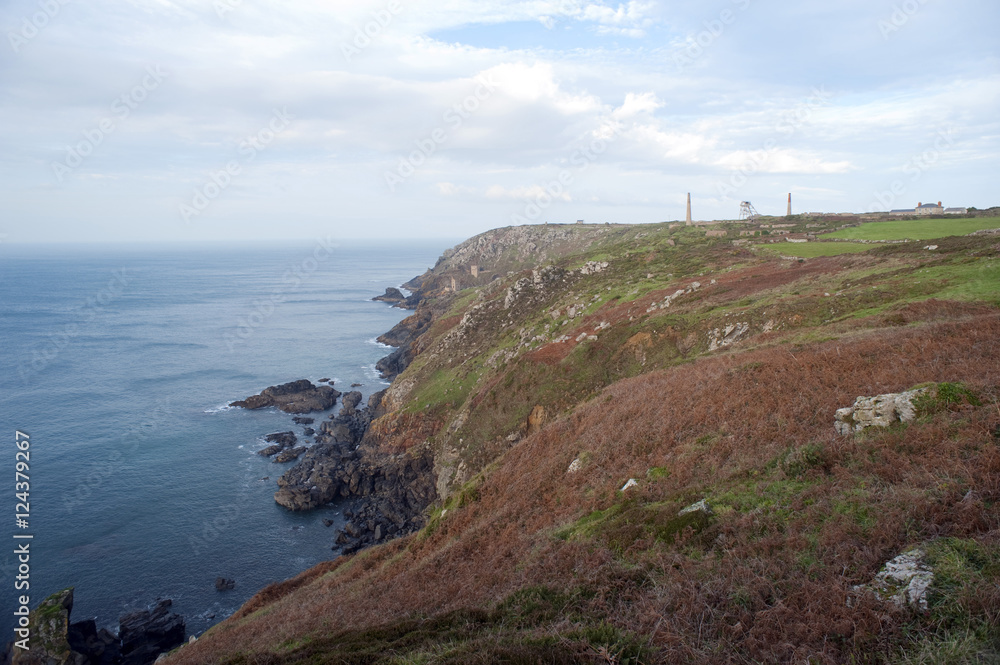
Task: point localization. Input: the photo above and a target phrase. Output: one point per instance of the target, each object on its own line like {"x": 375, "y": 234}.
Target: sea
{"x": 117, "y": 365}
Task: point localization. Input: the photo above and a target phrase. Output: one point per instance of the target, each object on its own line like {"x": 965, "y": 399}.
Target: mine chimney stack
{"x": 689, "y": 210}
{"x": 789, "y": 213}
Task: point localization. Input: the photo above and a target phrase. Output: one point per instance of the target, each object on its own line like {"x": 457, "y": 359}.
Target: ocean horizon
{"x": 119, "y": 362}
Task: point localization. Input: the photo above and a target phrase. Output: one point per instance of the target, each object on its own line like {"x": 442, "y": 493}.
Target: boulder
{"x": 877, "y": 411}
{"x": 224, "y": 584}
{"x": 536, "y": 419}
{"x": 283, "y": 439}
{"x": 905, "y": 580}
{"x": 100, "y": 646}
{"x": 289, "y": 455}
{"x": 699, "y": 507}
{"x": 300, "y": 420}
{"x": 392, "y": 295}
{"x": 350, "y": 401}
{"x": 295, "y": 397}
{"x": 270, "y": 450}
{"x": 147, "y": 633}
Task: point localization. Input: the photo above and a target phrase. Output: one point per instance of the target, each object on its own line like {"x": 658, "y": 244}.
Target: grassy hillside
{"x": 702, "y": 370}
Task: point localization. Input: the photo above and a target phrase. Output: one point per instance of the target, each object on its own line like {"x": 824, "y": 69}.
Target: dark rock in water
{"x": 146, "y": 634}
{"x": 327, "y": 522}
{"x": 100, "y": 647}
{"x": 403, "y": 336}
{"x": 325, "y": 381}
{"x": 295, "y": 397}
{"x": 283, "y": 439}
{"x": 270, "y": 450}
{"x": 289, "y": 455}
{"x": 357, "y": 385}
{"x": 338, "y": 432}
{"x": 308, "y": 431}
{"x": 265, "y": 478}
{"x": 392, "y": 295}
{"x": 393, "y": 364}
{"x": 301, "y": 420}
{"x": 224, "y": 584}
{"x": 350, "y": 401}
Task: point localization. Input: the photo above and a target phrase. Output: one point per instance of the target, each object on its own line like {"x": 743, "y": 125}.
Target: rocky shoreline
{"x": 142, "y": 636}
{"x": 383, "y": 495}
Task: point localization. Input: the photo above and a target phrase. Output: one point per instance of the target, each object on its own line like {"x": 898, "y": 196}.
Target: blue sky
{"x": 179, "y": 120}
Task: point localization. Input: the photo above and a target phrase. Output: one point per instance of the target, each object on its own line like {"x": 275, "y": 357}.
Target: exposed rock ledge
{"x": 142, "y": 636}
{"x": 296, "y": 397}
{"x": 877, "y": 411}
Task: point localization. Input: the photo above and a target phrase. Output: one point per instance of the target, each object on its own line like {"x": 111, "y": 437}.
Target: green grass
{"x": 978, "y": 279}
{"x": 810, "y": 250}
{"x": 916, "y": 229}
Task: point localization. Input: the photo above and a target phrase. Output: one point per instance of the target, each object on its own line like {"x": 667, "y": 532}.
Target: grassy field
{"x": 916, "y": 229}
{"x": 811, "y": 250}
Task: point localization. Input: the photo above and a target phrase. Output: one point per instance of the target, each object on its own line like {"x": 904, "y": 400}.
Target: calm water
{"x": 118, "y": 362}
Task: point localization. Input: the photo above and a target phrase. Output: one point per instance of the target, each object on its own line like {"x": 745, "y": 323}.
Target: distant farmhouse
{"x": 929, "y": 209}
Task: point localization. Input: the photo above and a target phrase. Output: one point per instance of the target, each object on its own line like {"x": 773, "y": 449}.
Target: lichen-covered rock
{"x": 906, "y": 580}
{"x": 48, "y": 625}
{"x": 719, "y": 338}
{"x": 699, "y": 507}
{"x": 877, "y": 411}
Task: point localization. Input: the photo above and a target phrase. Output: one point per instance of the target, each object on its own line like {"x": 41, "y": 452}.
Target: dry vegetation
{"x": 534, "y": 564}
{"x": 526, "y": 562}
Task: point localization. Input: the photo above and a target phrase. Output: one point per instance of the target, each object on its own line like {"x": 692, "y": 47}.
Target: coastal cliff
{"x": 627, "y": 444}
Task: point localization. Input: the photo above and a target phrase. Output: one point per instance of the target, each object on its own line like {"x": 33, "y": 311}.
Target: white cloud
{"x": 601, "y": 68}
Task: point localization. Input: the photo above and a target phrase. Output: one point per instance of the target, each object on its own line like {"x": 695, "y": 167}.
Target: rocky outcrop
{"x": 403, "y": 336}
{"x": 396, "y": 298}
{"x": 146, "y": 634}
{"x": 350, "y": 403}
{"x": 877, "y": 411}
{"x": 535, "y": 419}
{"x": 295, "y": 397}
{"x": 350, "y": 425}
{"x": 289, "y": 455}
{"x": 142, "y": 636}
{"x": 101, "y": 647}
{"x": 393, "y": 490}
{"x": 281, "y": 441}
{"x": 48, "y": 626}
{"x": 905, "y": 581}
{"x": 392, "y": 295}
{"x": 224, "y": 584}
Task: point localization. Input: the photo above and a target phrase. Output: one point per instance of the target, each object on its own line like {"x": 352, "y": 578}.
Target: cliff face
{"x": 626, "y": 436}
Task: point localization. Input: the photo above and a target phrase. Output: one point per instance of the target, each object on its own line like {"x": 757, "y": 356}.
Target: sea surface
{"x": 119, "y": 361}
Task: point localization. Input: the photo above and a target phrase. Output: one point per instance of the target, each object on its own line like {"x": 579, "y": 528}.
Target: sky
{"x": 209, "y": 120}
